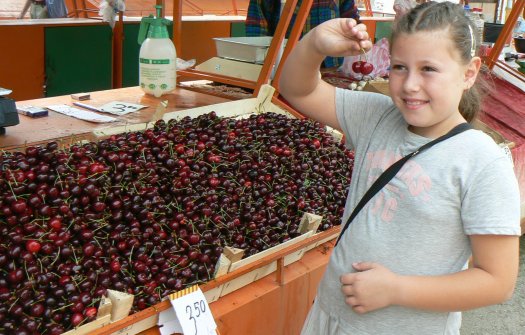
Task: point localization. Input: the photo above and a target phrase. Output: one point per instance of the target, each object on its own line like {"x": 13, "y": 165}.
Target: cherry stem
{"x": 364, "y": 53}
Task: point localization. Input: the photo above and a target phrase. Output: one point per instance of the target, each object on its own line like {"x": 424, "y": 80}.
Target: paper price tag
{"x": 507, "y": 152}
{"x": 193, "y": 312}
{"x": 120, "y": 108}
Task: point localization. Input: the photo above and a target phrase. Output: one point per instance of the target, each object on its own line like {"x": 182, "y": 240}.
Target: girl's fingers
{"x": 347, "y": 290}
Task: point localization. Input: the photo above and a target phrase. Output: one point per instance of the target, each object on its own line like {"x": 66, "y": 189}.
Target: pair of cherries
{"x": 362, "y": 67}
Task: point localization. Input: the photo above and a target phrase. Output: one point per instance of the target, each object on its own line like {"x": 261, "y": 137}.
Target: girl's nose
{"x": 411, "y": 82}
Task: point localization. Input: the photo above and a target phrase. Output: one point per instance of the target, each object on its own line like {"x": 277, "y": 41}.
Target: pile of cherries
{"x": 148, "y": 213}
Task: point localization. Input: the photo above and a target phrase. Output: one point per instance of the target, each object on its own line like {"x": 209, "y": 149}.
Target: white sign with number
{"x": 194, "y": 314}
{"x": 120, "y": 108}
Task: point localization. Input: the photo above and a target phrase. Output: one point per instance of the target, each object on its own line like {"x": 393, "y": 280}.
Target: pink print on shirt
{"x": 412, "y": 175}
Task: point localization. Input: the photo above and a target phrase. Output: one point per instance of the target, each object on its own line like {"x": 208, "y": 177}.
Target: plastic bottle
{"x": 478, "y": 19}
{"x": 157, "y": 56}
{"x": 467, "y": 10}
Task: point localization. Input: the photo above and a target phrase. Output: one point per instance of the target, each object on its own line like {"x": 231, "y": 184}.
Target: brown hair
{"x": 431, "y": 16}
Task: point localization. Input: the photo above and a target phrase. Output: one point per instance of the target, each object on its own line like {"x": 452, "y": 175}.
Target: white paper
{"x": 194, "y": 314}
{"x": 81, "y": 114}
{"x": 5, "y": 91}
{"x": 171, "y": 327}
{"x": 120, "y": 108}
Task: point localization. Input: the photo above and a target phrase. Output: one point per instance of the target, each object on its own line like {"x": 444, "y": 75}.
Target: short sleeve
{"x": 491, "y": 204}
{"x": 359, "y": 112}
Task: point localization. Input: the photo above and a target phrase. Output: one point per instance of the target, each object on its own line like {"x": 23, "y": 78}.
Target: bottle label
{"x": 157, "y": 75}
{"x": 154, "y": 61}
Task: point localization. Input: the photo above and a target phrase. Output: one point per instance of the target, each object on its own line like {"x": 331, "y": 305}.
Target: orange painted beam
{"x": 22, "y": 59}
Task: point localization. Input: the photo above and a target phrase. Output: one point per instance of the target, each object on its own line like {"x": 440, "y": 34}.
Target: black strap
{"x": 389, "y": 173}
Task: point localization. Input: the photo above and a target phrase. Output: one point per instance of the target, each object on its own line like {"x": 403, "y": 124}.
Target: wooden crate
{"x": 264, "y": 270}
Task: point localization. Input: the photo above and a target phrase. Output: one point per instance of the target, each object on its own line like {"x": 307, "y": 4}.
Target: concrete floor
{"x": 504, "y": 319}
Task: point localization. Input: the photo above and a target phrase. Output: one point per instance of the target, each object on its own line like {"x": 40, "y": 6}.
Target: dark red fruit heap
{"x": 148, "y": 213}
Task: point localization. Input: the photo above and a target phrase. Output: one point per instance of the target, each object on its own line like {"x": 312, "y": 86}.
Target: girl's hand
{"x": 371, "y": 288}
{"x": 340, "y": 37}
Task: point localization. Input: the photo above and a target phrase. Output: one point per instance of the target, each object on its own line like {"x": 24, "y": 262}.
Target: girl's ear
{"x": 471, "y": 72}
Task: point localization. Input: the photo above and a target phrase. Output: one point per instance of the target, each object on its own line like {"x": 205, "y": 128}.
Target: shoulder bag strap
{"x": 389, "y": 173}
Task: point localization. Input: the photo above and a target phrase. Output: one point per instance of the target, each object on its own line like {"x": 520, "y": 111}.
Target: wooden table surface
{"x": 60, "y": 127}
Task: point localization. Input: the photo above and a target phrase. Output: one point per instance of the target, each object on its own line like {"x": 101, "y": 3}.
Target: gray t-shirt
{"x": 419, "y": 223}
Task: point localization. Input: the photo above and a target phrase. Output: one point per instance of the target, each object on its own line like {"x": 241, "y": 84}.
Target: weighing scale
{"x": 240, "y": 57}
{"x": 248, "y": 70}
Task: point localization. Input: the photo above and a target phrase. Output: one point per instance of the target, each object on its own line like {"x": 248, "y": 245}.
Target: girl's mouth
{"x": 414, "y": 103}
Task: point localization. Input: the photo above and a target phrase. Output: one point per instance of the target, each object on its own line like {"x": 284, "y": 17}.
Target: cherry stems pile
{"x": 149, "y": 212}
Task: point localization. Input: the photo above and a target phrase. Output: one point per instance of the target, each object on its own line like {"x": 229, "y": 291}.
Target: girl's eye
{"x": 429, "y": 69}
{"x": 398, "y": 67}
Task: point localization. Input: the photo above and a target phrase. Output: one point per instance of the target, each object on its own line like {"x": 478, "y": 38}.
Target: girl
{"x": 401, "y": 266}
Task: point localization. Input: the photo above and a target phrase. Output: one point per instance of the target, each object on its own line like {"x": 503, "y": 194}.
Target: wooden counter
{"x": 61, "y": 127}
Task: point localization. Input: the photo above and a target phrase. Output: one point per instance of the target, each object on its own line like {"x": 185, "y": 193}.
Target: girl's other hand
{"x": 340, "y": 37}
{"x": 370, "y": 288}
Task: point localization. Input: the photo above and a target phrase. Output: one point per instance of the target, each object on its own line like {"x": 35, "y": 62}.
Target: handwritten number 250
{"x": 199, "y": 307}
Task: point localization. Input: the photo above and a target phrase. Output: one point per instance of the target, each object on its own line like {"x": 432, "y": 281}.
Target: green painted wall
{"x": 77, "y": 59}
{"x": 238, "y": 29}
{"x": 383, "y": 29}
{"x": 130, "y": 55}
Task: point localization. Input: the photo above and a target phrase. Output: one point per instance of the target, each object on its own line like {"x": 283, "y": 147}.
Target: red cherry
{"x": 55, "y": 223}
{"x": 115, "y": 266}
{"x": 19, "y": 206}
{"x": 214, "y": 182}
{"x": 90, "y": 312}
{"x": 356, "y": 66}
{"x": 77, "y": 319}
{"x": 367, "y": 68}
{"x": 33, "y": 246}
{"x": 194, "y": 239}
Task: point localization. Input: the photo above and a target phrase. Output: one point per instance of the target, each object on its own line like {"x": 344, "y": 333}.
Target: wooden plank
{"x": 61, "y": 127}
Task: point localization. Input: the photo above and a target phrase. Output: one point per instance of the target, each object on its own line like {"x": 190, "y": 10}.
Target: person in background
{"x": 402, "y": 266}
{"x": 37, "y": 9}
{"x": 263, "y": 17}
{"x": 41, "y": 9}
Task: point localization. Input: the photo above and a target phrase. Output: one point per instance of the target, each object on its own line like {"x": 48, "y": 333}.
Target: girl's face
{"x": 427, "y": 79}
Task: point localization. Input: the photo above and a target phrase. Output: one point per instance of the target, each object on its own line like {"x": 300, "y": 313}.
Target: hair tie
{"x": 472, "y": 42}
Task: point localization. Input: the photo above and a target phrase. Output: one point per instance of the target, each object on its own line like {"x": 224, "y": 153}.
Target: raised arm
{"x": 301, "y": 83}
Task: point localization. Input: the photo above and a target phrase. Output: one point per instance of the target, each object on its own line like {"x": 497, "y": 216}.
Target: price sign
{"x": 507, "y": 152}
{"x": 120, "y": 108}
{"x": 193, "y": 312}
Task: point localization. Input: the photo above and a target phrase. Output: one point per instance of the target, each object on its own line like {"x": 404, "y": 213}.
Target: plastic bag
{"x": 379, "y": 56}
{"x": 185, "y": 64}
{"x": 109, "y": 9}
